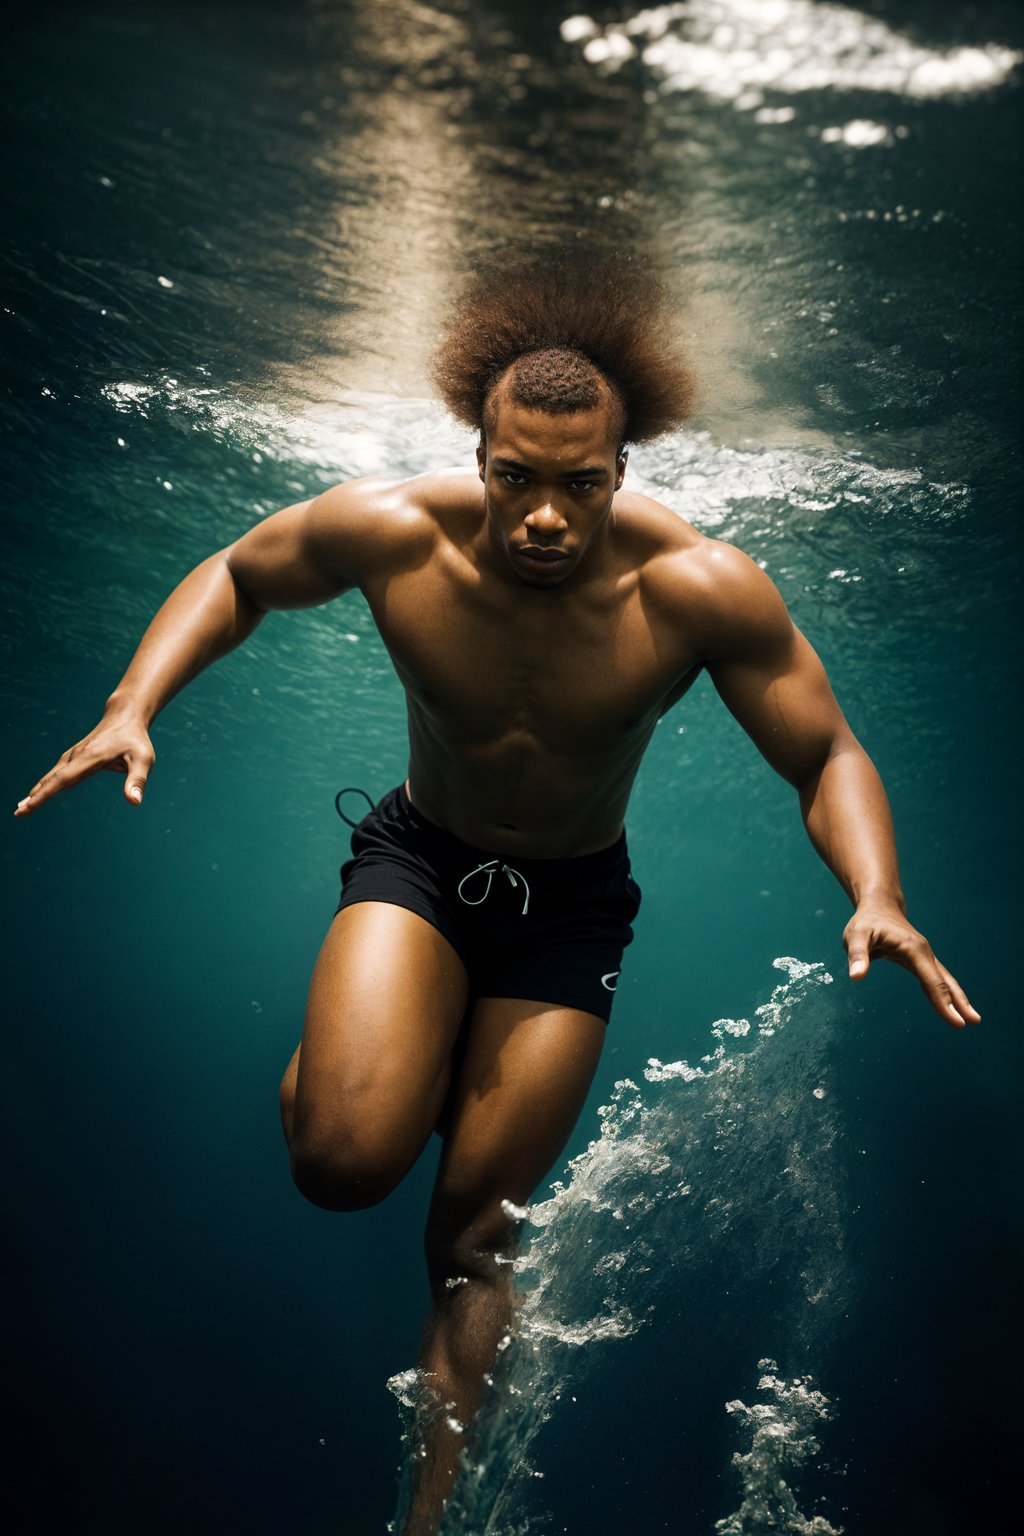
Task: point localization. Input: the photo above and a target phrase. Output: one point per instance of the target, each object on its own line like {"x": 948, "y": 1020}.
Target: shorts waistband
{"x": 576, "y": 866}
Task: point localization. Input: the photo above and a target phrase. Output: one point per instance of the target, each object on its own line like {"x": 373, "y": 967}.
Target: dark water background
{"x": 231, "y": 229}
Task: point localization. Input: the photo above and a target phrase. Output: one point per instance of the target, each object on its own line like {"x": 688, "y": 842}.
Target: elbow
{"x": 246, "y": 603}
{"x": 840, "y": 746}
{"x": 829, "y": 754}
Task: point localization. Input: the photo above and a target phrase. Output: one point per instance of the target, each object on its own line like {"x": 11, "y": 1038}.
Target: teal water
{"x": 234, "y": 230}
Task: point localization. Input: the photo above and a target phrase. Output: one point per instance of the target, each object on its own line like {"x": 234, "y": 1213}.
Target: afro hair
{"x": 562, "y": 316}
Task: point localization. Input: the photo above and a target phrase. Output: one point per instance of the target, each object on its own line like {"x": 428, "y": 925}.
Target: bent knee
{"x": 339, "y": 1175}
{"x": 481, "y": 1247}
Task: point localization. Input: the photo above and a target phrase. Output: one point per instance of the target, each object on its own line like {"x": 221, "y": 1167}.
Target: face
{"x": 548, "y": 487}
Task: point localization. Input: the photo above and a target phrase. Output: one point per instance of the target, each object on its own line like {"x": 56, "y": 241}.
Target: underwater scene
{"x": 774, "y": 1284}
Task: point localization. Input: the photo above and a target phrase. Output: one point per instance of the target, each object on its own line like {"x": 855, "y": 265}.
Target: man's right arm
{"x": 297, "y": 558}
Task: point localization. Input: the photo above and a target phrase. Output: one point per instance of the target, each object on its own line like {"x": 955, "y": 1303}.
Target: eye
{"x": 512, "y": 477}
{"x": 582, "y": 487}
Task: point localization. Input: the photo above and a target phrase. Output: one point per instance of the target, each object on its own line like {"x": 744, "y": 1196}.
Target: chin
{"x": 542, "y": 584}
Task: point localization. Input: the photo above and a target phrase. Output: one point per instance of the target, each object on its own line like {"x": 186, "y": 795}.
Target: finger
{"x": 964, "y": 1007}
{"x": 138, "y": 766}
{"x": 858, "y": 951}
{"x": 65, "y": 772}
{"x": 134, "y": 789}
{"x": 81, "y": 762}
{"x": 939, "y": 994}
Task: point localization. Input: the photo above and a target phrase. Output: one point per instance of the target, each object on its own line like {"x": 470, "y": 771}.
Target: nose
{"x": 545, "y": 521}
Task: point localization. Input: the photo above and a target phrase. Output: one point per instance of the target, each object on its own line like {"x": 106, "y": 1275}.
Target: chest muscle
{"x": 571, "y": 676}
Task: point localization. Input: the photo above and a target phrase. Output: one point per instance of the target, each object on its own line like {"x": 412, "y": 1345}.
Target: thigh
{"x": 386, "y": 1002}
{"x": 522, "y": 1082}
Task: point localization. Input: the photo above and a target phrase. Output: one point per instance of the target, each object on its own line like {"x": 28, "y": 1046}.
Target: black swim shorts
{"x": 552, "y": 930}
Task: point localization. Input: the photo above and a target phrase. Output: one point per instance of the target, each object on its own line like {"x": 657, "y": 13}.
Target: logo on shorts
{"x": 608, "y": 980}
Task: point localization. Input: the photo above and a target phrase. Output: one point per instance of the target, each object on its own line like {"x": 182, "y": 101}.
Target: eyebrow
{"x": 595, "y": 472}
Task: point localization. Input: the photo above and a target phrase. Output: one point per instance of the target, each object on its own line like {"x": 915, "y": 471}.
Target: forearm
{"x": 848, "y": 820}
{"x": 776, "y": 687}
{"x": 206, "y": 616}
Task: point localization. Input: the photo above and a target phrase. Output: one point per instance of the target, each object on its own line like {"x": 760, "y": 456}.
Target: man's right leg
{"x": 368, "y": 1083}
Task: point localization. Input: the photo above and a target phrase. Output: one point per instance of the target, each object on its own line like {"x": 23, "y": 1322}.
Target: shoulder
{"x": 725, "y": 600}
{"x": 374, "y": 523}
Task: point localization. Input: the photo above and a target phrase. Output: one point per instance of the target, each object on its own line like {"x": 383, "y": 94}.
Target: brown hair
{"x": 570, "y": 322}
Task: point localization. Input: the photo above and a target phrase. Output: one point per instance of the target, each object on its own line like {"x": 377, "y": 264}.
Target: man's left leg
{"x": 524, "y": 1077}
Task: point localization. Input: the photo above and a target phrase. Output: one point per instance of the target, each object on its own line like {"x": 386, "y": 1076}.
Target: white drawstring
{"x": 490, "y": 869}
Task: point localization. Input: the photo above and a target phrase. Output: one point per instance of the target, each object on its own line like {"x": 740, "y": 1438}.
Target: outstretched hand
{"x": 882, "y": 932}
{"x": 119, "y": 743}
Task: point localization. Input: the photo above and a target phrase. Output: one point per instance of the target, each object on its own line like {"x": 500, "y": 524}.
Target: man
{"x": 541, "y": 619}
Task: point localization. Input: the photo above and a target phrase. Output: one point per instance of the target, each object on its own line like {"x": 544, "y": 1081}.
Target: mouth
{"x": 535, "y": 558}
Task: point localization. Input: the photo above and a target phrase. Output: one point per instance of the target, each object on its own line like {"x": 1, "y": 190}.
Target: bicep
{"x": 776, "y": 688}
{"x": 305, "y": 554}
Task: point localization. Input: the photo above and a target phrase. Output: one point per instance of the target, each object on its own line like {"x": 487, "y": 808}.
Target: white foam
{"x": 343, "y": 438}
{"x": 782, "y": 1438}
{"x": 405, "y": 1386}
{"x": 661, "y": 1072}
{"x": 720, "y": 487}
{"x": 515, "y": 1212}
{"x": 666, "y": 1196}
{"x": 735, "y": 50}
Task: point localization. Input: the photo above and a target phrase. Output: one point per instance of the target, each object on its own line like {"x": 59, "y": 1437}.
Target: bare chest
{"x": 571, "y": 674}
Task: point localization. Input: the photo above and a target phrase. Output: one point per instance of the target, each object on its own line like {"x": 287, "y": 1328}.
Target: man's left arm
{"x": 772, "y": 681}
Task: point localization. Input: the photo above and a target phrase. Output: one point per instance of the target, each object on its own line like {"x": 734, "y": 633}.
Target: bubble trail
{"x": 725, "y": 1167}
{"x": 782, "y": 1439}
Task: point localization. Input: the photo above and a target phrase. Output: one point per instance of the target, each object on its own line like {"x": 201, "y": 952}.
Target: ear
{"x": 620, "y": 467}
{"x": 481, "y": 456}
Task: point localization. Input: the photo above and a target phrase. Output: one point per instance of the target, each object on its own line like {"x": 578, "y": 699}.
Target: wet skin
{"x": 541, "y": 619}
{"x": 532, "y": 677}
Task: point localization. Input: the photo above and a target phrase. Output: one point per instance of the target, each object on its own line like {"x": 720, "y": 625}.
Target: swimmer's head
{"x": 565, "y": 333}
{"x": 560, "y": 381}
